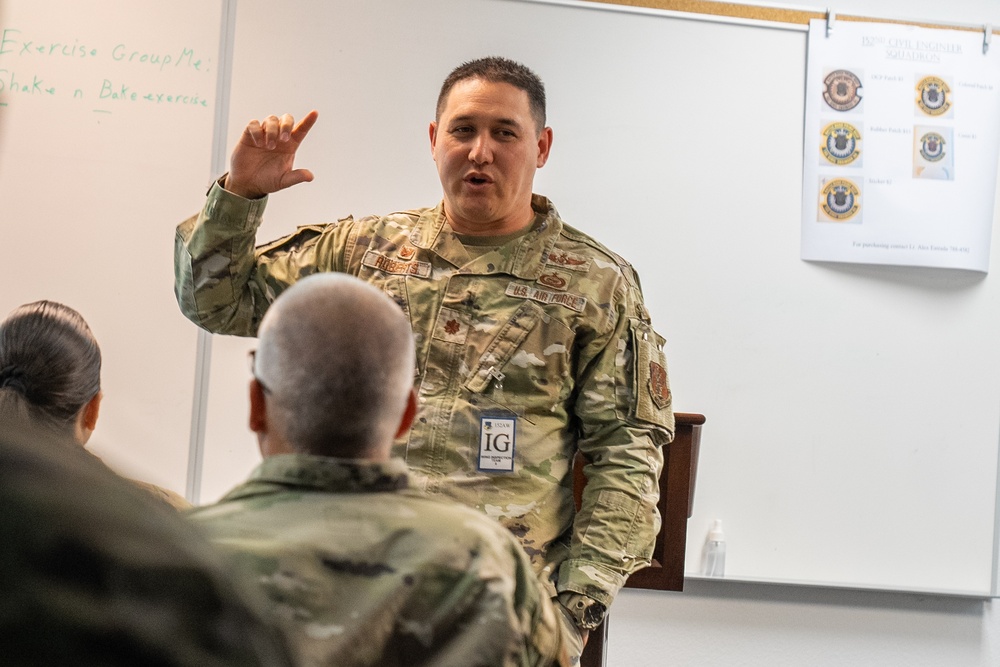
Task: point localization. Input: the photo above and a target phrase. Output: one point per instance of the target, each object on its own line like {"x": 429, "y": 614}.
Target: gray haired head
{"x": 336, "y": 360}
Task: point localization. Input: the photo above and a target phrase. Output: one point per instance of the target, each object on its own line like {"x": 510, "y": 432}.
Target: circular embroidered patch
{"x": 934, "y": 97}
{"x": 841, "y": 143}
{"x": 932, "y": 146}
{"x": 841, "y": 199}
{"x": 842, "y": 90}
{"x": 553, "y": 280}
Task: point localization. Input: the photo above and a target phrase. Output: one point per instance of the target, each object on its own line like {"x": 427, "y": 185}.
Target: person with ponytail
{"x": 50, "y": 376}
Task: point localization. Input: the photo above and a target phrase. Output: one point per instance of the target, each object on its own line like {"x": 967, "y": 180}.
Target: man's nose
{"x": 481, "y": 151}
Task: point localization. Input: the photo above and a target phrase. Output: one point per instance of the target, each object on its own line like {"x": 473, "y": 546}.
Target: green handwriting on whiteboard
{"x": 14, "y": 43}
{"x": 111, "y": 91}
{"x": 33, "y": 66}
{"x": 17, "y": 84}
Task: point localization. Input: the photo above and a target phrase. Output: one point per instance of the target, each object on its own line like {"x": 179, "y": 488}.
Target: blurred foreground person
{"x": 96, "y": 572}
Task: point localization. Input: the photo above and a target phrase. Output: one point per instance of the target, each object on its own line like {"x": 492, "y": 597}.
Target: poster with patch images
{"x": 901, "y": 145}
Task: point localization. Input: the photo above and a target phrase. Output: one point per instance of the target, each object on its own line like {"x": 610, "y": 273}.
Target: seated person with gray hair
{"x": 360, "y": 569}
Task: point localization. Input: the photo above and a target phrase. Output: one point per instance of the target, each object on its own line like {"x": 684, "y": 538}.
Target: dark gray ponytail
{"x": 50, "y": 363}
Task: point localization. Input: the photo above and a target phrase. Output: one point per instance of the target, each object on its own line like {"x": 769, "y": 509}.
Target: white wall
{"x": 767, "y": 625}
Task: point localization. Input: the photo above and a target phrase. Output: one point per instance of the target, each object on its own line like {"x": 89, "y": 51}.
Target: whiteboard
{"x": 852, "y": 411}
{"x": 106, "y": 124}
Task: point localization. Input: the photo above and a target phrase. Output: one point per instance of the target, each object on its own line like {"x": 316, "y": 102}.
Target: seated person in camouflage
{"x": 96, "y": 572}
{"x": 50, "y": 374}
{"x": 360, "y": 569}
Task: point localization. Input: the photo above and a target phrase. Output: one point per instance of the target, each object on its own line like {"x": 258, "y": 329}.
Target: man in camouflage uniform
{"x": 533, "y": 342}
{"x": 360, "y": 569}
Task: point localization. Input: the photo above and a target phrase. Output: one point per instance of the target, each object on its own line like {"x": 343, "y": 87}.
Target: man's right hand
{"x": 263, "y": 159}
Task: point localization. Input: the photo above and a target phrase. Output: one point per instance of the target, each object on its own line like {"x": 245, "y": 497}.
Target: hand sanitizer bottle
{"x": 713, "y": 561}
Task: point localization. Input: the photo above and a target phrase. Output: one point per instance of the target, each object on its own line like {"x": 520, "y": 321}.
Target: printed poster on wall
{"x": 901, "y": 145}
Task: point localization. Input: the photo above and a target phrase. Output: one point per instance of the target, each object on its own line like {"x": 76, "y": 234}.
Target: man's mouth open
{"x": 478, "y": 179}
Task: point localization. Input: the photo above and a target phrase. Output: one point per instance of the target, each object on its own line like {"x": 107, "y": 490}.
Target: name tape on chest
{"x": 374, "y": 260}
{"x": 571, "y": 301}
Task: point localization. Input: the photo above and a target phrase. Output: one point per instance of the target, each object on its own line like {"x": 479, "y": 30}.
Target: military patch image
{"x": 557, "y": 280}
{"x": 568, "y": 260}
{"x": 934, "y": 97}
{"x": 841, "y": 145}
{"x": 839, "y": 200}
{"x": 933, "y": 153}
{"x": 842, "y": 90}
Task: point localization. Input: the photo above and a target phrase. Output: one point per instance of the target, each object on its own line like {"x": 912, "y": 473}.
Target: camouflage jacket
{"x": 547, "y": 335}
{"x": 363, "y": 571}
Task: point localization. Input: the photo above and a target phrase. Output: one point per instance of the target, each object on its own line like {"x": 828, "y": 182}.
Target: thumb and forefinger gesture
{"x": 263, "y": 160}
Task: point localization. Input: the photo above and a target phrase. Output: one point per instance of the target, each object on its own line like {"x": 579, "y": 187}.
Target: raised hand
{"x": 263, "y": 160}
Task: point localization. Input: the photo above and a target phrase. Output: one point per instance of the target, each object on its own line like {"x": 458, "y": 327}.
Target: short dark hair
{"x": 498, "y": 70}
{"x": 50, "y": 360}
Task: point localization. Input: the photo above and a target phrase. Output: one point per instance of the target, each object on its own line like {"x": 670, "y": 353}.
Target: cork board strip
{"x": 758, "y": 13}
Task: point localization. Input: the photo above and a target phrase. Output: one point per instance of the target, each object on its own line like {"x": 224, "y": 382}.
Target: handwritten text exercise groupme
{"x": 105, "y": 75}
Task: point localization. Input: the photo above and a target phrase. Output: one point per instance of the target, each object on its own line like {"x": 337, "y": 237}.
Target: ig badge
{"x": 496, "y": 442}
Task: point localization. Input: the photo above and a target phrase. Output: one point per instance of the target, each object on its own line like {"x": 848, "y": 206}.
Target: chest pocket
{"x": 532, "y": 351}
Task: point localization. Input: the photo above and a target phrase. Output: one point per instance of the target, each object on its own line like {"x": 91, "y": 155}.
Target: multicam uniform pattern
{"x": 362, "y": 571}
{"x": 549, "y": 329}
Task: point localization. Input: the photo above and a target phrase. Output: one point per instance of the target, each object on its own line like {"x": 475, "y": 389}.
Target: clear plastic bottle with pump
{"x": 713, "y": 559}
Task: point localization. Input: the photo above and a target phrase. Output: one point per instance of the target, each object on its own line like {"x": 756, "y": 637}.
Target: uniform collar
{"x": 332, "y": 475}
{"x": 522, "y": 257}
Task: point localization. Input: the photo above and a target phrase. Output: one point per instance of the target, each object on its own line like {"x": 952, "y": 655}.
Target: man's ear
{"x": 258, "y": 407}
{"x": 409, "y": 414}
{"x": 432, "y": 132}
{"x": 544, "y": 147}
